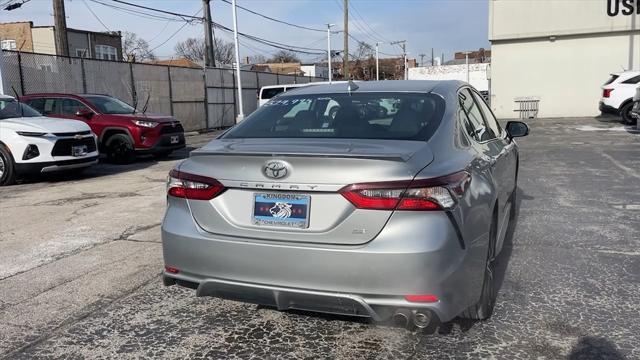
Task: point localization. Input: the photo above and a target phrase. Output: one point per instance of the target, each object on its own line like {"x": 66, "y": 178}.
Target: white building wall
{"x": 43, "y": 40}
{"x": 477, "y": 74}
{"x": 315, "y": 71}
{"x": 560, "y": 51}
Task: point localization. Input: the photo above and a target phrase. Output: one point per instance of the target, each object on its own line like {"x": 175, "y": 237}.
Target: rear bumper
{"x": 607, "y": 109}
{"x": 164, "y": 144}
{"x": 365, "y": 280}
{"x": 53, "y": 166}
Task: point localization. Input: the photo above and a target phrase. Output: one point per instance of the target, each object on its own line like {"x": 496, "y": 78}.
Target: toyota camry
{"x": 382, "y": 199}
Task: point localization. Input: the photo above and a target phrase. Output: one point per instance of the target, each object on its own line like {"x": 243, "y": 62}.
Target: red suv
{"x": 122, "y": 131}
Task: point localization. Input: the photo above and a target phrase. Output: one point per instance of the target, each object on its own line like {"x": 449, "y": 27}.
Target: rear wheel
{"x": 483, "y": 309}
{"x": 120, "y": 149}
{"x": 625, "y": 113}
{"x": 7, "y": 172}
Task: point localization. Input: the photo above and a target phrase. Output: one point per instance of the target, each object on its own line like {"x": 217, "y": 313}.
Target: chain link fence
{"x": 200, "y": 100}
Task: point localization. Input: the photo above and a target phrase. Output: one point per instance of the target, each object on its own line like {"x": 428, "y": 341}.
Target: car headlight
{"x": 145, "y": 123}
{"x": 31, "y": 133}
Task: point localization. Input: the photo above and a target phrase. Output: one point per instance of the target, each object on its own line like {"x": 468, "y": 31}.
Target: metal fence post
{"x": 206, "y": 100}
{"x": 20, "y": 73}
{"x": 171, "y": 90}
{"x": 235, "y": 100}
{"x": 277, "y": 79}
{"x": 84, "y": 76}
{"x": 134, "y": 95}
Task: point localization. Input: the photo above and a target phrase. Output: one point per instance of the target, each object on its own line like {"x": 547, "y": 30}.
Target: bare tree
{"x": 135, "y": 48}
{"x": 194, "y": 50}
{"x": 257, "y": 59}
{"x": 284, "y": 56}
{"x": 364, "y": 51}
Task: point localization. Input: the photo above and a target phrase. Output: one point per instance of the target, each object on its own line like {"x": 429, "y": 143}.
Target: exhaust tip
{"x": 422, "y": 319}
{"x": 401, "y": 317}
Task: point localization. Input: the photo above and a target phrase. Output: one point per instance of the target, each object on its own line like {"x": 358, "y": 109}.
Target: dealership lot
{"x": 81, "y": 261}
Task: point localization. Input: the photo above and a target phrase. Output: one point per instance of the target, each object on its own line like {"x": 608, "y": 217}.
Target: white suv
{"x": 617, "y": 94}
{"x": 32, "y": 144}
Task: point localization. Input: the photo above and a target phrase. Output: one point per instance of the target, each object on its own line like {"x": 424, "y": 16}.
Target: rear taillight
{"x": 606, "y": 93}
{"x": 190, "y": 186}
{"x": 418, "y": 195}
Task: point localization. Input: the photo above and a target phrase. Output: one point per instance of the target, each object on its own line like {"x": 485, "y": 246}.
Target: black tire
{"x": 162, "y": 155}
{"x": 7, "y": 171}
{"x": 483, "y": 309}
{"x": 625, "y": 113}
{"x": 120, "y": 149}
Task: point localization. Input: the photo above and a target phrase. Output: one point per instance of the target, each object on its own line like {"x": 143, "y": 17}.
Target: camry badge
{"x": 276, "y": 169}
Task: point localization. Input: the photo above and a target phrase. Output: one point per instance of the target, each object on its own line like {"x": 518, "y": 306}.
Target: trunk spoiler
{"x": 375, "y": 156}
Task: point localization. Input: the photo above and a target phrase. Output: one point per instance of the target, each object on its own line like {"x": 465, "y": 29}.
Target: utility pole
{"x": 403, "y": 45}
{"x": 329, "y": 51}
{"x": 432, "y": 61}
{"x": 345, "y": 62}
{"x": 238, "y": 71}
{"x": 60, "y": 21}
{"x": 377, "y": 62}
{"x": 466, "y": 60}
{"x": 209, "y": 59}
{"x": 422, "y": 59}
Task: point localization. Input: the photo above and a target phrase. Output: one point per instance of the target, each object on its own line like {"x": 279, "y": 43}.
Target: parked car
{"x": 394, "y": 215}
{"x": 617, "y": 94}
{"x": 635, "y": 111}
{"x": 32, "y": 144}
{"x": 122, "y": 130}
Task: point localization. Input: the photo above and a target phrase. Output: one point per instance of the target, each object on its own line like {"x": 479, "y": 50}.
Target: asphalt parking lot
{"x": 80, "y": 262}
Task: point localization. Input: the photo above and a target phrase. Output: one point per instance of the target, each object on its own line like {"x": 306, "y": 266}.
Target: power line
{"x": 175, "y": 33}
{"x": 358, "y": 14}
{"x": 274, "y": 19}
{"x": 158, "y": 10}
{"x": 94, "y": 14}
{"x": 137, "y": 12}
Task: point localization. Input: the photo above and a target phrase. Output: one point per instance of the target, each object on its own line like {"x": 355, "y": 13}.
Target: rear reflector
{"x": 171, "y": 269}
{"x": 421, "y": 298}
{"x": 190, "y": 186}
{"x": 606, "y": 93}
{"x": 417, "y": 195}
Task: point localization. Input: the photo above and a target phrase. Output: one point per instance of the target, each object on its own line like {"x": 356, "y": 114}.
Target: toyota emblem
{"x": 276, "y": 169}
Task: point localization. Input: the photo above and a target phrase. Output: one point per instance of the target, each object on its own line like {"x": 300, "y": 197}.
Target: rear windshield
{"x": 271, "y": 92}
{"x": 394, "y": 116}
{"x": 611, "y": 79}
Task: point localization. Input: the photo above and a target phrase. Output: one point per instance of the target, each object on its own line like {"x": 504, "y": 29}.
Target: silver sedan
{"x": 376, "y": 199}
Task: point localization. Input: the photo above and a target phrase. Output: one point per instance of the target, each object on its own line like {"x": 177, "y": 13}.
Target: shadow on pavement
{"x": 591, "y": 347}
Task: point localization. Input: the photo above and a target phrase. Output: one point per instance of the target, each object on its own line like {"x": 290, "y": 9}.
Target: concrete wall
{"x": 477, "y": 74}
{"x": 44, "y": 41}
{"x": 559, "y": 51}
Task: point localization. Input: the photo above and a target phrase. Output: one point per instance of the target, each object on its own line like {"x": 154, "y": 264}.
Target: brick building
{"x": 23, "y": 36}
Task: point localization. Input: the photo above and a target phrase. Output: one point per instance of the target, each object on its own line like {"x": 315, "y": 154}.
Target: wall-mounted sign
{"x": 623, "y": 7}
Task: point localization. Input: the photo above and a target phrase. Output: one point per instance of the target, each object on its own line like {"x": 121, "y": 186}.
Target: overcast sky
{"x": 445, "y": 25}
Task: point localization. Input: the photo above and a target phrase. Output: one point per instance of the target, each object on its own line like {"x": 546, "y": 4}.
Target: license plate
{"x": 175, "y": 139}
{"x": 281, "y": 210}
{"x": 80, "y": 150}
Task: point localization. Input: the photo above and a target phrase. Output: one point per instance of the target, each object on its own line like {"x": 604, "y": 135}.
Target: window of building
{"x": 46, "y": 68}
{"x": 106, "y": 52}
{"x": 83, "y": 53}
{"x": 8, "y": 44}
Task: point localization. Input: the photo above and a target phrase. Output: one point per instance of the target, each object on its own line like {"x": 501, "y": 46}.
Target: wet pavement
{"x": 81, "y": 259}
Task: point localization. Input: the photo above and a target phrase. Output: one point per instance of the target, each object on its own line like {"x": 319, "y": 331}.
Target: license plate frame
{"x": 79, "y": 150}
{"x": 292, "y": 213}
{"x": 174, "y": 139}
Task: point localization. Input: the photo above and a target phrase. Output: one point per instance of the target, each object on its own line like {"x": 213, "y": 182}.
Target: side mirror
{"x": 84, "y": 113}
{"x": 517, "y": 129}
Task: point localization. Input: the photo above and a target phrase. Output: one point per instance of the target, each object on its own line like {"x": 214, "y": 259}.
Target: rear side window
{"x": 45, "y": 106}
{"x": 394, "y": 116}
{"x": 37, "y": 104}
{"x": 472, "y": 117}
{"x": 271, "y": 92}
{"x": 611, "y": 79}
{"x": 633, "y": 80}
